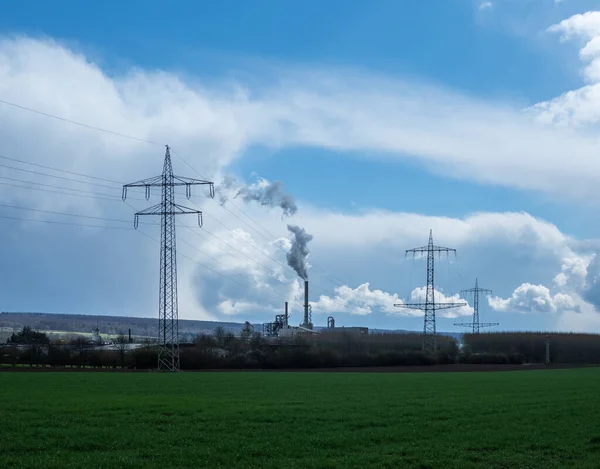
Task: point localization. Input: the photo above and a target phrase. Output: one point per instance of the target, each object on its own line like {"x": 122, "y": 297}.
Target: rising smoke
{"x": 228, "y": 183}
{"x": 266, "y": 193}
{"x": 297, "y": 257}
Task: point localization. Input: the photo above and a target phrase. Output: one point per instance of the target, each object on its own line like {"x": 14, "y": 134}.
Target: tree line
{"x": 570, "y": 348}
{"x": 224, "y": 350}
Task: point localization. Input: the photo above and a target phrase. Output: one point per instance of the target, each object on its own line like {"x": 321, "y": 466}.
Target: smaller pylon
{"x": 429, "y": 306}
{"x": 476, "y": 325}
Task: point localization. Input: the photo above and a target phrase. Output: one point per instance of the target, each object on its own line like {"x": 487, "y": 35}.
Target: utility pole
{"x": 476, "y": 325}
{"x": 168, "y": 318}
{"x": 430, "y": 306}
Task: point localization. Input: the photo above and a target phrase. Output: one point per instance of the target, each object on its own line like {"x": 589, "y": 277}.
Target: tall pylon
{"x": 476, "y": 325}
{"x": 430, "y": 306}
{"x": 168, "y": 316}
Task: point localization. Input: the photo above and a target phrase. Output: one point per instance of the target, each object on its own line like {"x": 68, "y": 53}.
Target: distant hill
{"x": 140, "y": 327}
{"x": 108, "y": 325}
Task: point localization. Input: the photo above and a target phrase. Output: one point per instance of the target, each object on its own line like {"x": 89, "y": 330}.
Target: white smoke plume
{"x": 297, "y": 256}
{"x": 227, "y": 184}
{"x": 271, "y": 194}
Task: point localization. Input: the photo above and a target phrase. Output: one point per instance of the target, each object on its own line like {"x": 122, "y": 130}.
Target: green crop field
{"x": 527, "y": 419}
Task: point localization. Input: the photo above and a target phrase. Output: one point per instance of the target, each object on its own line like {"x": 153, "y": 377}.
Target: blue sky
{"x": 441, "y": 41}
{"x": 328, "y": 90}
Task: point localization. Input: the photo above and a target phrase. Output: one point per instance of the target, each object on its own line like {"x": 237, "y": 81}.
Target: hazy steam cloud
{"x": 227, "y": 184}
{"x": 269, "y": 193}
{"x": 264, "y": 192}
{"x": 298, "y": 254}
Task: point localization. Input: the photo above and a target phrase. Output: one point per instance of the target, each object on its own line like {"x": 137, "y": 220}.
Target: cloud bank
{"x": 345, "y": 111}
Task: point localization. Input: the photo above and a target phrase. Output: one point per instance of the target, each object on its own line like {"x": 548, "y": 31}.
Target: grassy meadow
{"x": 524, "y": 419}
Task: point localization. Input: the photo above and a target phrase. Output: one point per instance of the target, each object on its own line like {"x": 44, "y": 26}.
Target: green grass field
{"x": 528, "y": 419}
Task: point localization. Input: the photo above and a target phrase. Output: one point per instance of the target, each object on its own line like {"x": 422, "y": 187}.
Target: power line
{"x": 221, "y": 263}
{"x": 204, "y": 265}
{"x": 234, "y": 248}
{"x": 331, "y": 278}
{"x": 203, "y": 253}
{"x": 336, "y": 282}
{"x": 61, "y": 170}
{"x": 80, "y": 193}
{"x": 79, "y": 181}
{"x": 54, "y": 222}
{"x": 196, "y": 247}
{"x": 430, "y": 306}
{"x": 55, "y": 176}
{"x": 109, "y": 197}
{"x": 17, "y": 207}
{"x": 246, "y": 241}
{"x": 257, "y": 249}
{"x": 327, "y": 276}
{"x": 128, "y": 229}
{"x": 126, "y": 221}
{"x": 167, "y": 209}
{"x": 81, "y": 124}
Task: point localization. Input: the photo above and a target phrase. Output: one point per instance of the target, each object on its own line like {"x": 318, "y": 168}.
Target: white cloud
{"x": 485, "y": 5}
{"x": 580, "y": 107}
{"x": 529, "y": 298}
{"x": 360, "y": 300}
{"x": 419, "y": 295}
{"x": 385, "y": 236}
{"x": 211, "y": 126}
{"x": 586, "y": 27}
{"x": 230, "y": 307}
{"x": 573, "y": 271}
{"x": 341, "y": 110}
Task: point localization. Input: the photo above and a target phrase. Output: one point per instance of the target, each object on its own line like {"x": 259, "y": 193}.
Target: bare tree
{"x": 121, "y": 343}
{"x": 220, "y": 334}
{"x": 80, "y": 345}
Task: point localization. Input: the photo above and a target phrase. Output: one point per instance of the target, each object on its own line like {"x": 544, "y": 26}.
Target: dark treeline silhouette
{"x": 327, "y": 350}
{"x": 530, "y": 347}
{"x": 224, "y": 350}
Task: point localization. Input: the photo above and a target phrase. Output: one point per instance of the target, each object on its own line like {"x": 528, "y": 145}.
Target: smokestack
{"x": 306, "y": 306}
{"x": 286, "y": 313}
{"x": 129, "y": 335}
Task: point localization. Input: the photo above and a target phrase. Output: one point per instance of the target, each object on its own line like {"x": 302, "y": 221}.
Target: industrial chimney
{"x": 307, "y": 323}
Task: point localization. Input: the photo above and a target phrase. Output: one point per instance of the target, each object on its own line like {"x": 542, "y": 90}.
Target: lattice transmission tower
{"x": 476, "y": 325}
{"x": 430, "y": 306}
{"x": 168, "y": 317}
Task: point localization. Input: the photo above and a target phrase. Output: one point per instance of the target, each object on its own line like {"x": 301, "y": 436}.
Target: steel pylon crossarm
{"x": 429, "y": 306}
{"x": 168, "y": 316}
{"x": 476, "y": 325}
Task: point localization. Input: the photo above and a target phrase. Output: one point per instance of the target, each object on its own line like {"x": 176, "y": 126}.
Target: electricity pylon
{"x": 168, "y": 318}
{"x": 476, "y": 324}
{"x": 430, "y": 306}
